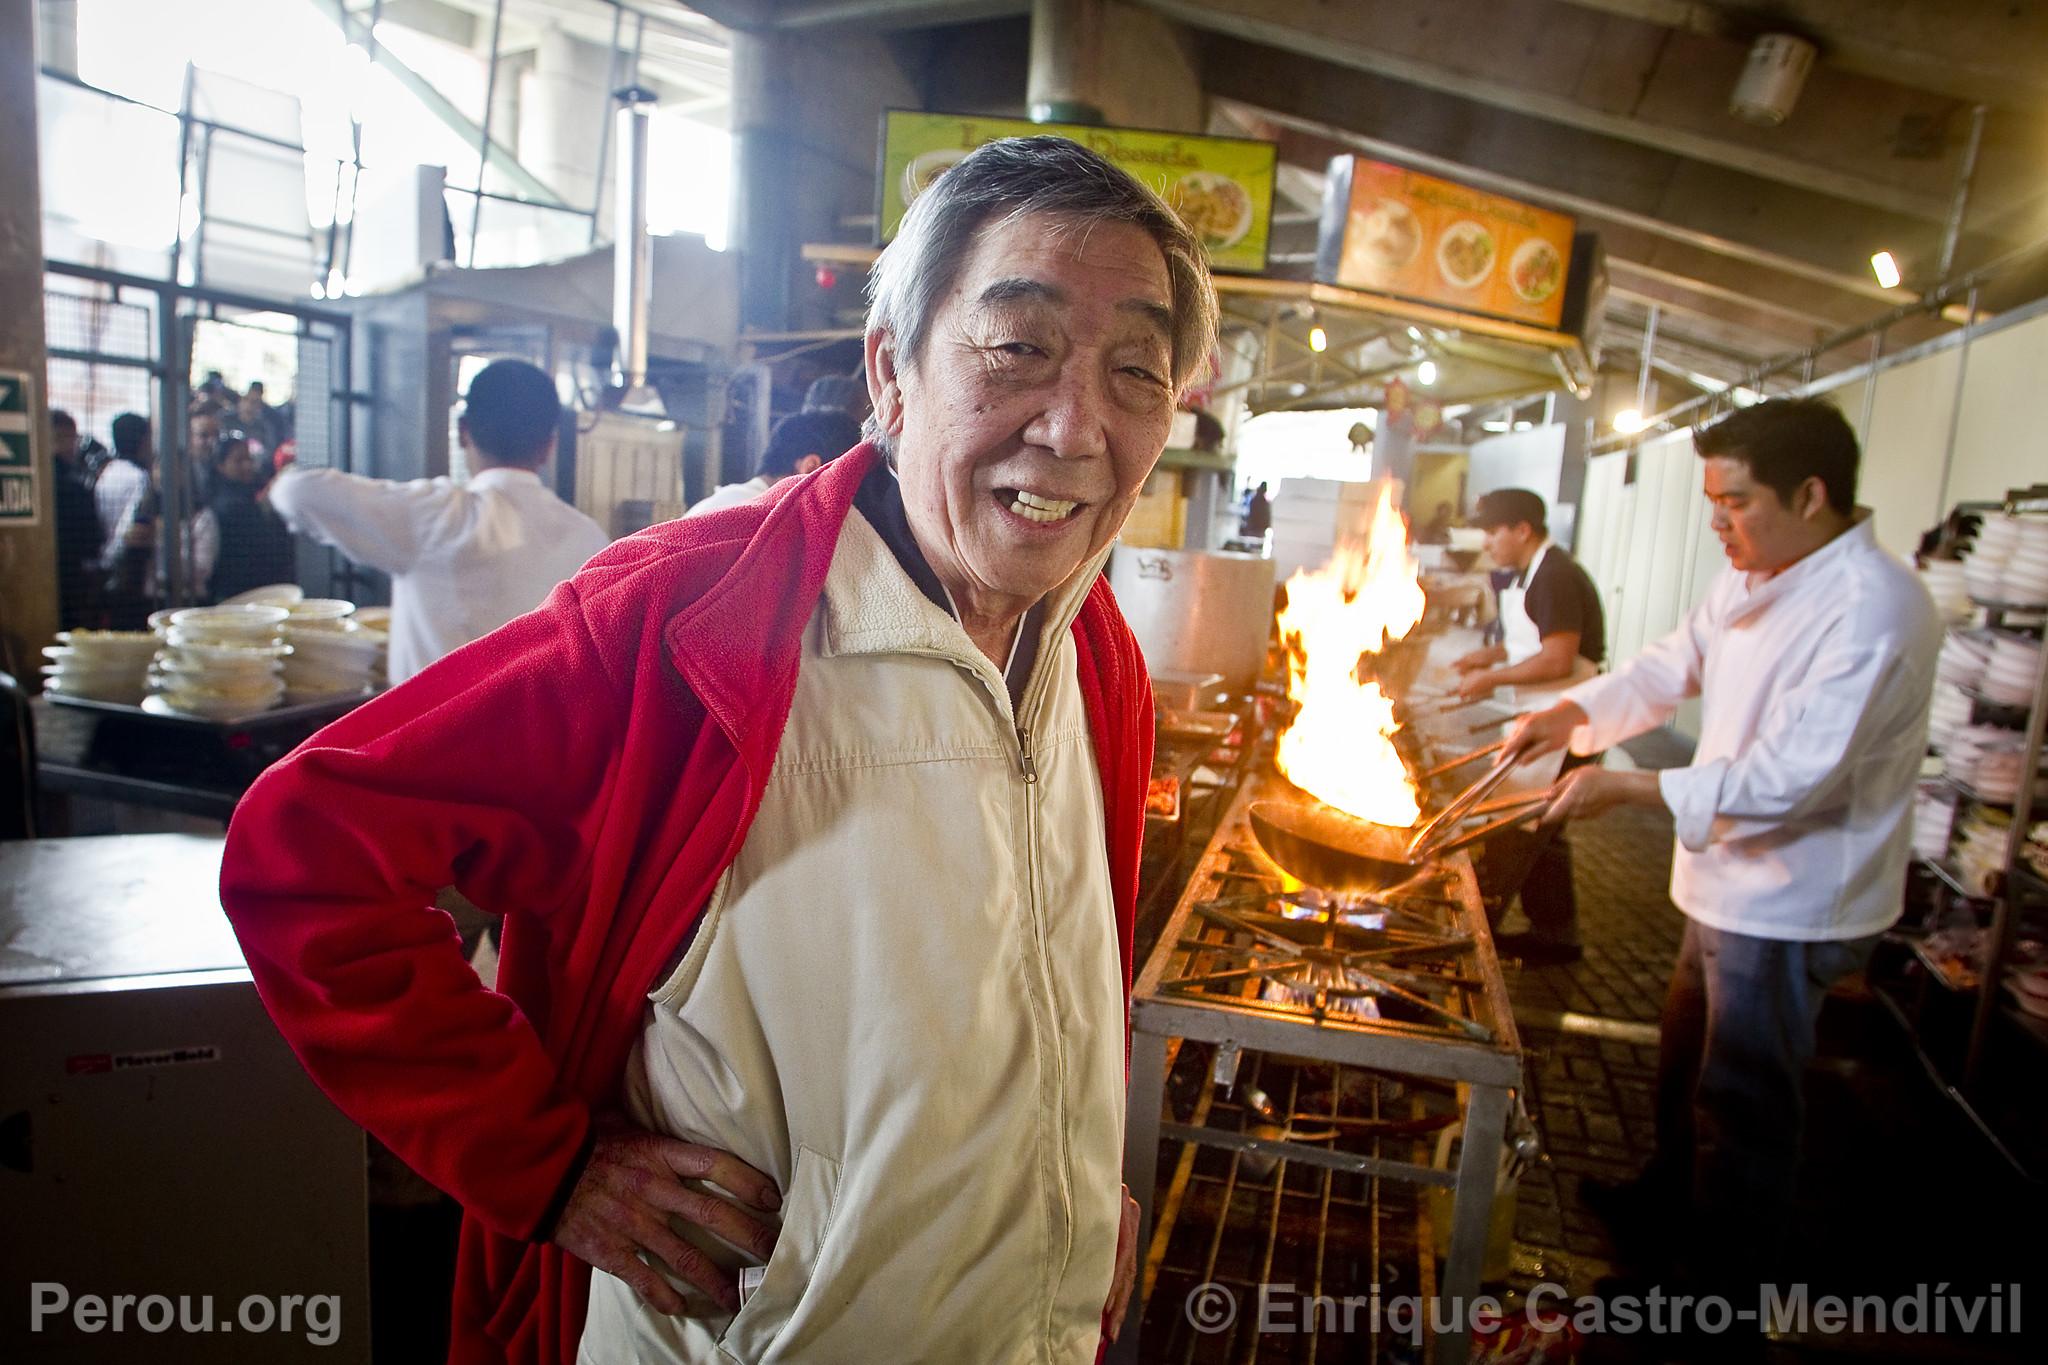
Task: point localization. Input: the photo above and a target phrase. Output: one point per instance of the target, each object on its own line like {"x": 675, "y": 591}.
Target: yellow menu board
{"x": 1396, "y": 231}
{"x": 1222, "y": 186}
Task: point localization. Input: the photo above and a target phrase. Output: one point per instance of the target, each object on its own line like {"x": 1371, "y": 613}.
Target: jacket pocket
{"x": 807, "y": 1209}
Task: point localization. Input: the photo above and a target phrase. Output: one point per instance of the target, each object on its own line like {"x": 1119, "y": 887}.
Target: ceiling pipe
{"x": 1066, "y": 58}
{"x": 633, "y": 251}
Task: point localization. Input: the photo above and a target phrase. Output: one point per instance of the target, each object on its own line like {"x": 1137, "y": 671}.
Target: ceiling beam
{"x": 1618, "y": 77}
{"x": 1972, "y": 50}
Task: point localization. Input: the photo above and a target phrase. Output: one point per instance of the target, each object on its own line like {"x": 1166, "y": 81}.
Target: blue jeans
{"x": 1738, "y": 1031}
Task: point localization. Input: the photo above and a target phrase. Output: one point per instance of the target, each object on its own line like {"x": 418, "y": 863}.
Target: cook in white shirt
{"x": 464, "y": 558}
{"x": 799, "y": 444}
{"x": 1813, "y": 656}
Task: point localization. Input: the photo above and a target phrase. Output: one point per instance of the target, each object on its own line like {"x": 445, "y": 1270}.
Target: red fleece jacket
{"x": 588, "y": 771}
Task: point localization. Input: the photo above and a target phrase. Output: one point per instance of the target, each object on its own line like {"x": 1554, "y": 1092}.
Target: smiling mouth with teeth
{"x": 1033, "y": 507}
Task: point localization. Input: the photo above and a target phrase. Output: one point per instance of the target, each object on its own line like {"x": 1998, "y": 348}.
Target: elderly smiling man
{"x": 815, "y": 825}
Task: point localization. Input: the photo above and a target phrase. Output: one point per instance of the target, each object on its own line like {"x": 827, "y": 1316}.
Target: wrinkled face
{"x": 1042, "y": 400}
{"x": 1758, "y": 531}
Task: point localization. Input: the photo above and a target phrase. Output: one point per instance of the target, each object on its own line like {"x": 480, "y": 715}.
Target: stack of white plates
{"x": 1964, "y": 657}
{"x": 1967, "y": 748}
{"x": 1949, "y": 713}
{"x": 1934, "y": 817}
{"x": 2010, "y": 675}
{"x": 1984, "y": 566}
{"x": 328, "y": 660}
{"x": 220, "y": 662}
{"x": 99, "y": 665}
{"x": 1948, "y": 586}
{"x": 2025, "y": 582}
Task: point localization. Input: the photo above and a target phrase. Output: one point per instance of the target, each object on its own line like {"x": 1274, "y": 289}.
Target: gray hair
{"x": 1010, "y": 178}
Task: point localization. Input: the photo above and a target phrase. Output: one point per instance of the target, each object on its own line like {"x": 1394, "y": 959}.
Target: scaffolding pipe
{"x": 1966, "y": 175}
{"x": 483, "y": 141}
{"x": 633, "y": 249}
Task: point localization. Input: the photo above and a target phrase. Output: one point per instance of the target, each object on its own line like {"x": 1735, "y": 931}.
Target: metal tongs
{"x": 1438, "y": 829}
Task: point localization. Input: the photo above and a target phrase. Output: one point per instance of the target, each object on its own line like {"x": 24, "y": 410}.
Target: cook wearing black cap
{"x": 1553, "y": 632}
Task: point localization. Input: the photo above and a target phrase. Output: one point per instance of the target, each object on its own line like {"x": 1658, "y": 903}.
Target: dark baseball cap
{"x": 1509, "y": 507}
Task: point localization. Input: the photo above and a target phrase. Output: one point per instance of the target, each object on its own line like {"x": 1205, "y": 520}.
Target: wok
{"x": 1325, "y": 847}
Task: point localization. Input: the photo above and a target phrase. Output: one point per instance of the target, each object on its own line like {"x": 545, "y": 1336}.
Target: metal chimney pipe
{"x": 1066, "y": 60}
{"x": 633, "y": 269}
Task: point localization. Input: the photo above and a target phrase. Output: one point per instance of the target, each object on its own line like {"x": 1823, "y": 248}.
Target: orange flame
{"x": 1340, "y": 746}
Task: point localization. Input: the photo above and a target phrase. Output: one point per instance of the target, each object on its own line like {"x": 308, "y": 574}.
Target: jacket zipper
{"x": 1025, "y": 762}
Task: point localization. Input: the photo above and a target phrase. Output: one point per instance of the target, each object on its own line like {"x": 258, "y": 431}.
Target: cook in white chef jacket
{"x": 1813, "y": 657}
{"x": 464, "y": 558}
{"x": 1554, "y": 634}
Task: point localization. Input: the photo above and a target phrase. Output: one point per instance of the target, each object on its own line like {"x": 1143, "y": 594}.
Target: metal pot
{"x": 1197, "y": 611}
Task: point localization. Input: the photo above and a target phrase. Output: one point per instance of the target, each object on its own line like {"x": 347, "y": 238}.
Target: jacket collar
{"x": 873, "y": 607}
{"x": 741, "y": 638}
{"x": 503, "y": 476}
{"x": 1859, "y": 538}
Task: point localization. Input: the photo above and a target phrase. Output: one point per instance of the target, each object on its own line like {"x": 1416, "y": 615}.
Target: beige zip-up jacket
{"x": 904, "y": 1004}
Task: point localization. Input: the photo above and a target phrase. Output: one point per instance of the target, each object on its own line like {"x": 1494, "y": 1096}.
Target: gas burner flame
{"x": 1339, "y": 747}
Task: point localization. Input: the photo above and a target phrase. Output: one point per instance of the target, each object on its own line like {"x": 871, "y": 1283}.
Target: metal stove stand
{"x": 1332, "y": 1009}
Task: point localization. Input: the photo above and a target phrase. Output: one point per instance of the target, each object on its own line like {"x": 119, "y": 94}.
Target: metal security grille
{"x": 313, "y": 403}
{"x": 97, "y": 326}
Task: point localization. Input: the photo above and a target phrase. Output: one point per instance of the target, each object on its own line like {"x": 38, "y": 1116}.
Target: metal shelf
{"x": 1947, "y": 876}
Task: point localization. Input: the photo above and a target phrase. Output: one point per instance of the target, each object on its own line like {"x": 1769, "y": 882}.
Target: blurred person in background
{"x": 125, "y": 497}
{"x": 807, "y": 441}
{"x": 79, "y": 537}
{"x": 262, "y": 423}
{"x": 837, "y": 393}
{"x": 464, "y": 558}
{"x": 238, "y": 542}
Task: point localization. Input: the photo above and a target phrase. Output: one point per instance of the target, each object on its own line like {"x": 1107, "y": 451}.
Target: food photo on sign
{"x": 1394, "y": 231}
{"x": 1221, "y": 187}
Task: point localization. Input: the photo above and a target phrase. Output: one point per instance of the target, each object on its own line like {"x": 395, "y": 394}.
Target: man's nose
{"x": 1071, "y": 425}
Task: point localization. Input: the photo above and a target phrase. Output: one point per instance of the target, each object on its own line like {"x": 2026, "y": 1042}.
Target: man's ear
{"x": 885, "y": 382}
{"x": 810, "y": 464}
{"x": 1810, "y": 499}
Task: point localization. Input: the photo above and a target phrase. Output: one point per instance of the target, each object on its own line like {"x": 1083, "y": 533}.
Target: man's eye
{"x": 1018, "y": 349}
{"x": 1140, "y": 372}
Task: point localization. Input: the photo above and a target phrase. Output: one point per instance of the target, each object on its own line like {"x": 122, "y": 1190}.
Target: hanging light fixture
{"x": 1318, "y": 339}
{"x": 1628, "y": 421}
{"x": 1425, "y": 373}
{"x": 1886, "y": 267}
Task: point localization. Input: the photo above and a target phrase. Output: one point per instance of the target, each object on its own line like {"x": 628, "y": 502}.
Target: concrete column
{"x": 1148, "y": 76}
{"x": 564, "y": 102}
{"x": 765, "y": 148}
{"x": 57, "y": 35}
{"x": 1393, "y": 449}
{"x": 1571, "y": 476}
{"x": 28, "y": 553}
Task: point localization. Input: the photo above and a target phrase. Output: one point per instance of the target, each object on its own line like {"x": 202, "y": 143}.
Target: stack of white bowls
{"x": 1984, "y": 565}
{"x": 220, "y": 662}
{"x": 1966, "y": 751}
{"x": 1949, "y": 586}
{"x": 1934, "y": 818}
{"x": 2014, "y": 665}
{"x": 342, "y": 660}
{"x": 2026, "y": 570}
{"x": 99, "y": 665}
{"x": 1949, "y": 713}
{"x": 270, "y": 595}
{"x": 1964, "y": 657}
